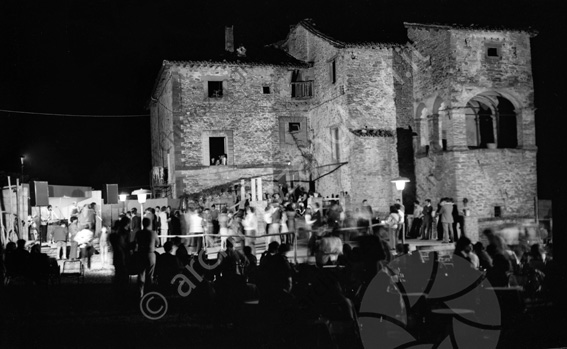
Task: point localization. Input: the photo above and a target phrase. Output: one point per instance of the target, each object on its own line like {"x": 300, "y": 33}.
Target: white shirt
{"x": 163, "y": 220}
{"x": 250, "y": 222}
{"x": 195, "y": 224}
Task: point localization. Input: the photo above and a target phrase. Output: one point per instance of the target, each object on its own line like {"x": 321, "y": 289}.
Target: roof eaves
{"x": 240, "y": 64}
{"x": 374, "y": 45}
{"x": 531, "y": 32}
{"x": 165, "y": 65}
{"x": 307, "y": 24}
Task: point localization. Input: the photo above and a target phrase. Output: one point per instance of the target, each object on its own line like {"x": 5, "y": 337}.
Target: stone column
{"x": 525, "y": 121}
{"x": 253, "y": 188}
{"x": 457, "y": 129}
{"x": 260, "y": 198}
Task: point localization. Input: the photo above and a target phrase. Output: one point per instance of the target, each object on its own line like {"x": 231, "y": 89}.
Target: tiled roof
{"x": 473, "y": 27}
{"x": 357, "y": 35}
{"x": 265, "y": 56}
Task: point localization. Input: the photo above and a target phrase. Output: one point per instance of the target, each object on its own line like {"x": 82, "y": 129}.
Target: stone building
{"x": 450, "y": 108}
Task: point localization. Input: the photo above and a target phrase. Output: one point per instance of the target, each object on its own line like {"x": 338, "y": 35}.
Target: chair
{"x": 74, "y": 268}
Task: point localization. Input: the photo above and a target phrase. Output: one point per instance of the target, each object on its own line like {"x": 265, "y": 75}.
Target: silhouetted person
{"x": 119, "y": 240}
{"x": 167, "y": 266}
{"x": 146, "y": 241}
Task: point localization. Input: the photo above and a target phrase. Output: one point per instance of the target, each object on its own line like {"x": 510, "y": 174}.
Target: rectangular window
{"x": 215, "y": 89}
{"x": 333, "y": 71}
{"x": 217, "y": 148}
{"x": 217, "y": 151}
{"x": 493, "y": 51}
{"x": 497, "y": 211}
{"x": 335, "y": 148}
{"x": 266, "y": 90}
{"x": 294, "y": 126}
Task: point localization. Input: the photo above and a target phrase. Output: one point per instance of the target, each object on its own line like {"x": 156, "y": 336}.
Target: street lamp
{"x": 122, "y": 198}
{"x": 22, "y": 158}
{"x": 142, "y": 194}
{"x": 400, "y": 183}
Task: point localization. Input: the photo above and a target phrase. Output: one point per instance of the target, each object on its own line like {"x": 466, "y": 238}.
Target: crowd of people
{"x": 282, "y": 287}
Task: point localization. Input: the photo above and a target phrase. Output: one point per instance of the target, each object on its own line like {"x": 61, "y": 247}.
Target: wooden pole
{"x": 242, "y": 193}
{"x": 21, "y": 234}
{"x": 10, "y": 220}
{"x": 260, "y": 196}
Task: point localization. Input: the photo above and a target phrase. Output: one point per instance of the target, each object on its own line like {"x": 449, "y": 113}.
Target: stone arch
{"x": 439, "y": 123}
{"x": 492, "y": 120}
{"x": 421, "y": 114}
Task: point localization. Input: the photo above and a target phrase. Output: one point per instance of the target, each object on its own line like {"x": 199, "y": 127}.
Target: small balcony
{"x": 302, "y": 89}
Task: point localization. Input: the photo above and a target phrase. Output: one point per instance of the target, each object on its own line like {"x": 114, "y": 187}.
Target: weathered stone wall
{"x": 434, "y": 64}
{"x": 453, "y": 66}
{"x": 362, "y": 96}
{"x": 245, "y": 115}
{"x": 403, "y": 87}
{"x": 505, "y": 178}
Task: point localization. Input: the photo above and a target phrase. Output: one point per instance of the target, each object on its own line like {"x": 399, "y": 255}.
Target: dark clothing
{"x": 135, "y": 226}
{"x": 175, "y": 226}
{"x": 167, "y": 266}
{"x": 233, "y": 263}
{"x": 60, "y": 234}
{"x": 146, "y": 241}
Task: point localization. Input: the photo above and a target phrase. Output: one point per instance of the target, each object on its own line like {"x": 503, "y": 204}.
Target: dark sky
{"x": 101, "y": 58}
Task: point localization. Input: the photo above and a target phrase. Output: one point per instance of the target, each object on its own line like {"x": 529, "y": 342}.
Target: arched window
{"x": 491, "y": 122}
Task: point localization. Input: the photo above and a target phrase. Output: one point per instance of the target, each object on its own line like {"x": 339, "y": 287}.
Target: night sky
{"x": 102, "y": 57}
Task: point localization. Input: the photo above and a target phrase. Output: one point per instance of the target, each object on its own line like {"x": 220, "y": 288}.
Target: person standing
{"x": 427, "y": 217}
{"x": 276, "y": 222}
{"x": 446, "y": 215}
{"x": 135, "y": 225}
{"x": 73, "y": 230}
{"x": 250, "y": 227}
{"x": 146, "y": 242}
{"x": 196, "y": 226}
{"x": 417, "y": 220}
{"x": 103, "y": 246}
{"x": 60, "y": 234}
{"x": 163, "y": 224}
{"x": 48, "y": 218}
{"x": 84, "y": 238}
{"x": 393, "y": 224}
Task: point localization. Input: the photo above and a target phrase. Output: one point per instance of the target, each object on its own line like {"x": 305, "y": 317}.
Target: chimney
{"x": 229, "y": 38}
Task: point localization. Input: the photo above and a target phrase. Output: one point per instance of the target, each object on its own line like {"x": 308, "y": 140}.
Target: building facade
{"x": 452, "y": 109}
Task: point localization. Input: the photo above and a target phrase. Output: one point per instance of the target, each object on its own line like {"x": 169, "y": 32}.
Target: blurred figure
{"x": 60, "y": 234}
{"x": 73, "y": 230}
{"x": 146, "y": 241}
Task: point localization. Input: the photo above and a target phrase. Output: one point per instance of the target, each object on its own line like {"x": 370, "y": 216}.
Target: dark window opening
{"x": 492, "y": 52}
{"x": 444, "y": 143}
{"x": 334, "y": 71}
{"x": 485, "y": 126}
{"x": 497, "y": 211}
{"x": 507, "y": 128}
{"x": 294, "y": 126}
{"x": 266, "y": 90}
{"x": 215, "y": 89}
{"x": 217, "y": 151}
